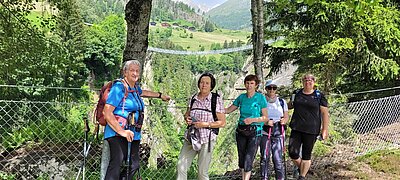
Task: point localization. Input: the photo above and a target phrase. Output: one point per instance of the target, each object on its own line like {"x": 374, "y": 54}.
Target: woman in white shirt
{"x": 273, "y": 139}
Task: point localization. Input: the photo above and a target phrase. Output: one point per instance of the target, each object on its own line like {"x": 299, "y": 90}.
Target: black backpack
{"x": 214, "y": 97}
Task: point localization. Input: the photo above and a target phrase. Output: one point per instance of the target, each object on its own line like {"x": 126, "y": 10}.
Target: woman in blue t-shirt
{"x": 253, "y": 114}
{"x": 118, "y": 112}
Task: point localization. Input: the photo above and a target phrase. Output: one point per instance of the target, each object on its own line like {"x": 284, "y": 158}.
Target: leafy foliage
{"x": 40, "y": 54}
{"x": 95, "y": 11}
{"x": 209, "y": 27}
{"x": 333, "y": 40}
{"x": 104, "y": 47}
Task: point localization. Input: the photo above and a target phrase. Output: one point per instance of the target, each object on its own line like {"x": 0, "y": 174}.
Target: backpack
{"x": 282, "y": 104}
{"x": 317, "y": 97}
{"x": 317, "y": 94}
{"x": 98, "y": 112}
{"x": 214, "y": 97}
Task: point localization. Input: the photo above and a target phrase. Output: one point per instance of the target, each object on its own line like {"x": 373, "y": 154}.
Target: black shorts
{"x": 301, "y": 140}
{"x": 247, "y": 149}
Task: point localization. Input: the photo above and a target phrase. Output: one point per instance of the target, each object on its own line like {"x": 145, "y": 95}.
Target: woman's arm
{"x": 113, "y": 123}
{"x": 325, "y": 121}
{"x": 285, "y": 117}
{"x": 151, "y": 94}
{"x": 216, "y": 124}
{"x": 187, "y": 117}
{"x": 230, "y": 109}
{"x": 263, "y": 118}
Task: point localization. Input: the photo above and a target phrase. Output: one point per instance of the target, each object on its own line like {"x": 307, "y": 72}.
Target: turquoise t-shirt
{"x": 251, "y": 108}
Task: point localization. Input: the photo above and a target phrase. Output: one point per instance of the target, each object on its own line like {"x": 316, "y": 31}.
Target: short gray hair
{"x": 130, "y": 62}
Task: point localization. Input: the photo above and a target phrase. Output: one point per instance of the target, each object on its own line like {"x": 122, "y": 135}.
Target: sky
{"x": 209, "y": 3}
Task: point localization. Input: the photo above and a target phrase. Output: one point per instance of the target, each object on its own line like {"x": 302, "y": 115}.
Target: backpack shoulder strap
{"x": 192, "y": 100}
{"x": 125, "y": 86}
{"x": 318, "y": 96}
{"x": 214, "y": 97}
{"x": 282, "y": 103}
{"x": 296, "y": 92}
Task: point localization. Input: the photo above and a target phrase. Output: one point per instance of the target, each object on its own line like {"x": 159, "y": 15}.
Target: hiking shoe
{"x": 301, "y": 178}
{"x": 296, "y": 172}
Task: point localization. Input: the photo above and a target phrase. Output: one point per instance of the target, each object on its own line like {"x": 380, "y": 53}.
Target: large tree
{"x": 257, "y": 13}
{"x": 137, "y": 16}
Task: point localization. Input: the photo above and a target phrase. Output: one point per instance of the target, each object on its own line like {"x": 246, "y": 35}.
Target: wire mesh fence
{"x": 376, "y": 123}
{"x": 45, "y": 140}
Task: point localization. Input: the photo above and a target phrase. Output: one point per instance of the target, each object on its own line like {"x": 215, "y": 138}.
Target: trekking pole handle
{"x": 87, "y": 128}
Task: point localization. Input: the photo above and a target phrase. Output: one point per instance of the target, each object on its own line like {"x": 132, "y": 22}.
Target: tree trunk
{"x": 137, "y": 16}
{"x": 257, "y": 13}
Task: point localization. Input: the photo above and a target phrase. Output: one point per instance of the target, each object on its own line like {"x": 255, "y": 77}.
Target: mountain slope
{"x": 203, "y": 5}
{"x": 233, "y": 14}
{"x": 171, "y": 10}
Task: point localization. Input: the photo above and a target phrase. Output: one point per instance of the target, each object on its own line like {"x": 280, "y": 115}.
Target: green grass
{"x": 204, "y": 39}
{"x": 35, "y": 17}
{"x": 383, "y": 161}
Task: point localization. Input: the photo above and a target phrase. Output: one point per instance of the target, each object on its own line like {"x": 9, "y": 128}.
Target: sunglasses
{"x": 272, "y": 87}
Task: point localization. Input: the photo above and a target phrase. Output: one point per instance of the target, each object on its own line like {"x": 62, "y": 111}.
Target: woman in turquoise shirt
{"x": 253, "y": 114}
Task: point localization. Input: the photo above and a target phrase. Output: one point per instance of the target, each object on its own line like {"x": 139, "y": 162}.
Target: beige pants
{"x": 105, "y": 159}
{"x": 186, "y": 157}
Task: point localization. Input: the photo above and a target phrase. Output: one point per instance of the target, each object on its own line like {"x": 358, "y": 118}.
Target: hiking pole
{"x": 266, "y": 147}
{"x": 268, "y": 140}
{"x": 128, "y": 156}
{"x": 86, "y": 147}
{"x": 128, "y": 159}
{"x": 283, "y": 148}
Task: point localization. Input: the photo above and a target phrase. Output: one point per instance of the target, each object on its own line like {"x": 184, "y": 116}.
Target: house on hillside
{"x": 153, "y": 23}
{"x": 192, "y": 29}
{"x": 175, "y": 25}
{"x": 164, "y": 24}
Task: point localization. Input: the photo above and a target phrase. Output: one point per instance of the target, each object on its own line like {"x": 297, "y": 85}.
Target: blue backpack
{"x": 282, "y": 104}
{"x": 317, "y": 95}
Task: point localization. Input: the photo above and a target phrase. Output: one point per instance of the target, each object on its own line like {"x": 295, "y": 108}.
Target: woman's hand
{"x": 201, "y": 124}
{"x": 128, "y": 134}
{"x": 165, "y": 97}
{"x": 248, "y": 121}
{"x": 270, "y": 122}
{"x": 283, "y": 121}
{"x": 324, "y": 134}
{"x": 188, "y": 120}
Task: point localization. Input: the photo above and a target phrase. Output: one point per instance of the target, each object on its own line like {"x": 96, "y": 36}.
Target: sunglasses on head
{"x": 272, "y": 87}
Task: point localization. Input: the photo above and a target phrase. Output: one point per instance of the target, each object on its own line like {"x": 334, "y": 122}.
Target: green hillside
{"x": 233, "y": 14}
{"x": 195, "y": 40}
